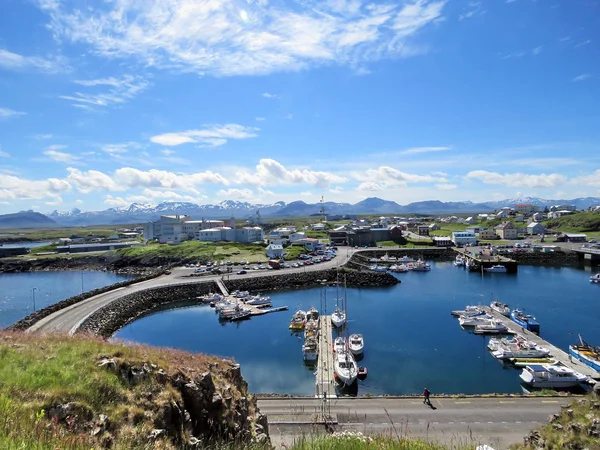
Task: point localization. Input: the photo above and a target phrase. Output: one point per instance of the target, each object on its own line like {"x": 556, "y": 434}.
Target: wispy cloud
{"x": 473, "y": 9}
{"x": 117, "y": 91}
{"x": 208, "y": 136}
{"x": 14, "y": 61}
{"x": 518, "y": 179}
{"x": 54, "y": 153}
{"x": 581, "y": 44}
{"x": 6, "y": 113}
{"x": 42, "y": 137}
{"x": 582, "y": 77}
{"x": 269, "y": 95}
{"x": 116, "y": 150}
{"x": 229, "y": 37}
{"x": 536, "y": 51}
{"x": 420, "y": 150}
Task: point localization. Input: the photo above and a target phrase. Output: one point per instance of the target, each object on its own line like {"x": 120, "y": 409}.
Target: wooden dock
{"x": 555, "y": 352}
{"x": 222, "y": 287}
{"x": 325, "y": 384}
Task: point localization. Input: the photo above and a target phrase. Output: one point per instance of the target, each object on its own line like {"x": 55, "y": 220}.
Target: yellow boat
{"x": 298, "y": 321}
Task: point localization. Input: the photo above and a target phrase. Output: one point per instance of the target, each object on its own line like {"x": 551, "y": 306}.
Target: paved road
{"x": 70, "y": 318}
{"x": 498, "y": 422}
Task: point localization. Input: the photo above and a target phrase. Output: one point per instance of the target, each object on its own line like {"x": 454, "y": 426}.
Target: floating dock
{"x": 555, "y": 352}
{"x": 482, "y": 260}
{"x": 325, "y": 384}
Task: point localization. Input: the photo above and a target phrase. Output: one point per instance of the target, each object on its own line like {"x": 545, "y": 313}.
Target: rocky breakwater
{"x": 301, "y": 280}
{"x": 108, "y": 320}
{"x": 33, "y": 318}
{"x": 554, "y": 258}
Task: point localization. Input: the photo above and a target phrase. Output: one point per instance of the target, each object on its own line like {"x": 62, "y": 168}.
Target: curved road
{"x": 69, "y": 319}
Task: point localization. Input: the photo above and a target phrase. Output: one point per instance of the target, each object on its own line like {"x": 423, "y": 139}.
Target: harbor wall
{"x": 555, "y": 258}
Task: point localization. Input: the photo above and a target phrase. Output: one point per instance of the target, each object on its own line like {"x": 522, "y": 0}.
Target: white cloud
{"x": 92, "y": 180}
{"x": 167, "y": 152}
{"x": 518, "y": 179}
{"x": 14, "y": 61}
{"x": 79, "y": 202}
{"x": 115, "y": 201}
{"x": 370, "y": 186}
{"x": 473, "y": 9}
{"x": 6, "y": 113}
{"x": 244, "y": 194}
{"x": 269, "y": 95}
{"x": 116, "y": 150}
{"x": 582, "y": 77}
{"x": 118, "y": 91}
{"x": 581, "y": 44}
{"x": 536, "y": 51}
{"x": 209, "y": 136}
{"x": 53, "y": 153}
{"x": 336, "y": 190}
{"x": 271, "y": 172}
{"x": 228, "y": 37}
{"x": 588, "y": 180}
{"x": 446, "y": 186}
{"x": 390, "y": 176}
{"x": 16, "y": 188}
{"x": 3, "y": 154}
{"x": 419, "y": 150}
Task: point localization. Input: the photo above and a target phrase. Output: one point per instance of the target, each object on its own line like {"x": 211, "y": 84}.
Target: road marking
{"x": 509, "y": 401}
{"x": 457, "y": 402}
{"x": 518, "y": 421}
{"x": 504, "y": 422}
{"x": 450, "y": 422}
{"x": 549, "y": 401}
{"x": 463, "y": 422}
{"x": 490, "y": 422}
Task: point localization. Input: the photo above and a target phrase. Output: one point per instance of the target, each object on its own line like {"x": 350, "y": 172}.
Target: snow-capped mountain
{"x": 144, "y": 212}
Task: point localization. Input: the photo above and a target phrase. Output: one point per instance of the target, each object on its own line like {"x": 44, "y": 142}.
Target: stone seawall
{"x": 34, "y": 317}
{"x": 544, "y": 258}
{"x": 309, "y": 279}
{"x": 111, "y": 318}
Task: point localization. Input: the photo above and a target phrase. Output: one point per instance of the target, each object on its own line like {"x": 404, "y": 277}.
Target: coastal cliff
{"x": 83, "y": 392}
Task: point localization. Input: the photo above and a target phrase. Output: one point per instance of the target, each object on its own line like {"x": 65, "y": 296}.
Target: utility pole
{"x": 33, "y": 293}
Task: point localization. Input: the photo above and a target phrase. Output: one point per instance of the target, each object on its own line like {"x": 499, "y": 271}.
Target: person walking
{"x": 426, "y": 394}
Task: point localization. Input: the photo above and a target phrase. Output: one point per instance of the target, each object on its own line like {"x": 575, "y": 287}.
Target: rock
{"x": 557, "y": 426}
{"x": 156, "y": 434}
{"x": 597, "y": 389}
{"x": 263, "y": 421}
{"x": 217, "y": 400}
{"x": 576, "y": 427}
{"x": 109, "y": 363}
{"x": 553, "y": 418}
{"x": 61, "y": 412}
{"x": 569, "y": 412}
{"x": 161, "y": 376}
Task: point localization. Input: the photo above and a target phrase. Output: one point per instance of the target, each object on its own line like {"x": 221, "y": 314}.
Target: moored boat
{"x": 298, "y": 321}
{"x": 398, "y": 268}
{"x": 345, "y": 367}
{"x": 459, "y": 261}
{"x": 595, "y": 278}
{"x": 310, "y": 349}
{"x": 501, "y": 308}
{"x": 470, "y": 310}
{"x": 242, "y": 314}
{"x": 587, "y": 354}
{"x": 419, "y": 266}
{"x": 473, "y": 321}
{"x": 356, "y": 344}
{"x": 338, "y": 317}
{"x": 525, "y": 320}
{"x": 311, "y": 328}
{"x": 312, "y": 313}
{"x": 492, "y": 327}
{"x": 498, "y": 268}
{"x": 340, "y": 344}
{"x": 520, "y": 348}
{"x": 362, "y": 373}
{"x": 551, "y": 376}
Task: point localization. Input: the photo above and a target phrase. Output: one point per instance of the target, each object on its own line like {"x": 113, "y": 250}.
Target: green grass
{"x": 358, "y": 441}
{"x": 47, "y": 234}
{"x": 582, "y": 222}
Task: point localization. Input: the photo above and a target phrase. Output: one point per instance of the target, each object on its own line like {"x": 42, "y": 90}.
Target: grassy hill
{"x": 25, "y": 219}
{"x": 582, "y": 222}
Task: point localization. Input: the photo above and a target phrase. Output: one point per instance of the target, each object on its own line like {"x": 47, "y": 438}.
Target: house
{"x": 433, "y": 227}
{"x": 442, "y": 241}
{"x": 503, "y": 214}
{"x": 487, "y": 235}
{"x": 519, "y": 218}
{"x": 475, "y": 229}
{"x": 297, "y": 236}
{"x": 575, "y": 237}
{"x": 461, "y": 238}
{"x": 423, "y": 230}
{"x": 396, "y": 231}
{"x": 506, "y": 230}
{"x": 535, "y": 228}
{"x": 274, "y": 251}
{"x": 563, "y": 208}
{"x": 319, "y": 227}
{"x": 537, "y": 217}
{"x": 524, "y": 208}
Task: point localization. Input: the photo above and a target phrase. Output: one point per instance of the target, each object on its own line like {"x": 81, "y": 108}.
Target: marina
{"x": 325, "y": 384}
{"x": 481, "y": 261}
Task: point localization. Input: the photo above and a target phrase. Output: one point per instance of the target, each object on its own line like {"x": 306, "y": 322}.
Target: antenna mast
{"x": 322, "y": 210}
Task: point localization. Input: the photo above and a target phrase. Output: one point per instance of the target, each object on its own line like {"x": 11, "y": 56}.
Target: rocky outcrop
{"x": 32, "y": 318}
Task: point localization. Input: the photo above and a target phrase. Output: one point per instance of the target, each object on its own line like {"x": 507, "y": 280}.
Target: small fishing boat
{"x": 470, "y": 310}
{"x": 298, "y": 321}
{"x": 243, "y": 314}
{"x": 345, "y": 367}
{"x": 459, "y": 261}
{"x": 501, "y": 308}
{"x": 259, "y": 301}
{"x": 340, "y": 345}
{"x": 311, "y": 328}
{"x": 312, "y": 313}
{"x": 551, "y": 376}
{"x": 522, "y": 362}
{"x": 398, "y": 268}
{"x": 525, "y": 320}
{"x": 587, "y": 354}
{"x": 211, "y": 297}
{"x": 473, "y": 321}
{"x": 376, "y": 268}
{"x": 362, "y": 373}
{"x": 310, "y": 349}
{"x": 356, "y": 344}
{"x": 405, "y": 259}
{"x": 595, "y": 278}
{"x": 521, "y": 348}
{"x": 498, "y": 268}
{"x": 493, "y": 327}
{"x": 419, "y": 266}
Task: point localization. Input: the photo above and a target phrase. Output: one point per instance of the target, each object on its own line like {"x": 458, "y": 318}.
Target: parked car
{"x": 242, "y": 272}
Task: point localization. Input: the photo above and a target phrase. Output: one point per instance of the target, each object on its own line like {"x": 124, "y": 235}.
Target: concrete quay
{"x": 325, "y": 384}
{"x": 555, "y": 352}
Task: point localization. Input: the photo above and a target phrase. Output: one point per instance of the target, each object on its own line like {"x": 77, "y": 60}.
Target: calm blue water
{"x": 27, "y": 244}
{"x": 16, "y": 290}
{"x": 411, "y": 341}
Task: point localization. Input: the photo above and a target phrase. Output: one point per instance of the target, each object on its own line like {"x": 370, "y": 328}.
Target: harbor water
{"x": 18, "y": 290}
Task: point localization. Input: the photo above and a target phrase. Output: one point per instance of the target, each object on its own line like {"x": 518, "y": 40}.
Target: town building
{"x": 487, "y": 235}
{"x": 507, "y": 230}
{"x": 461, "y": 238}
{"x": 101, "y": 247}
{"x": 526, "y": 208}
{"x": 274, "y": 251}
{"x": 423, "y": 230}
{"x": 443, "y": 241}
{"x": 575, "y": 237}
{"x": 535, "y": 228}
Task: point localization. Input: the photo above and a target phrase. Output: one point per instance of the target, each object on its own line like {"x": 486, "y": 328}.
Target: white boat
{"x": 495, "y": 269}
{"x": 459, "y": 261}
{"x": 551, "y": 376}
{"x": 310, "y": 349}
{"x": 340, "y": 345}
{"x": 338, "y": 317}
{"x": 259, "y": 301}
{"x": 356, "y": 344}
{"x": 495, "y": 343}
{"x": 224, "y": 304}
{"x": 501, "y": 308}
{"x": 520, "y": 349}
{"x": 240, "y": 294}
{"x": 405, "y": 259}
{"x": 419, "y": 266}
{"x": 494, "y": 326}
{"x": 228, "y": 313}
{"x": 212, "y": 297}
{"x": 376, "y": 268}
{"x": 345, "y": 367}
{"x": 312, "y": 313}
{"x": 595, "y": 278}
{"x": 470, "y": 310}
{"x": 311, "y": 328}
{"x": 399, "y": 268}
{"x": 473, "y": 321}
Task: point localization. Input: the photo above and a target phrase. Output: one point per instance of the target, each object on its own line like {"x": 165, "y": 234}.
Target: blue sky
{"x": 106, "y": 103}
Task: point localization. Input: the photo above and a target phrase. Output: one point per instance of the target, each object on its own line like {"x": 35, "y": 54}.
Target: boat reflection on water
{"x": 348, "y": 390}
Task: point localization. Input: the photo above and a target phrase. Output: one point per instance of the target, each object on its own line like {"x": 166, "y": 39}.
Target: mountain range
{"x": 143, "y": 212}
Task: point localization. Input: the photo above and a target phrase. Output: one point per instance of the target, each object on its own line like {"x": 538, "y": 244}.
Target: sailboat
{"x": 338, "y": 317}
{"x": 345, "y": 367}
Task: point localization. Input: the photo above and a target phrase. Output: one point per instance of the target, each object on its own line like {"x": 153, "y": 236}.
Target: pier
{"x": 555, "y": 352}
{"x": 325, "y": 384}
{"x": 479, "y": 260}
{"x": 222, "y": 287}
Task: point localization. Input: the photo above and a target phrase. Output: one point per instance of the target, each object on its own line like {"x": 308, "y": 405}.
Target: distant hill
{"x": 25, "y": 219}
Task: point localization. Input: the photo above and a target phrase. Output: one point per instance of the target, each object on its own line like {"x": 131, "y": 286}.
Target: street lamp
{"x": 33, "y": 293}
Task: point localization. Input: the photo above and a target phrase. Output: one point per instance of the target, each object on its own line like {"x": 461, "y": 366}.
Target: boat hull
{"x": 530, "y": 325}
{"x": 542, "y": 384}
{"x": 581, "y": 356}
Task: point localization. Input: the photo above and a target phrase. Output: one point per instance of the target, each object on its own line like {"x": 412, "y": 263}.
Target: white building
{"x": 503, "y": 214}
{"x": 464, "y": 238}
{"x": 535, "y": 228}
{"x": 297, "y": 236}
{"x": 319, "y": 227}
{"x": 274, "y": 251}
